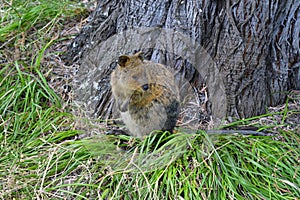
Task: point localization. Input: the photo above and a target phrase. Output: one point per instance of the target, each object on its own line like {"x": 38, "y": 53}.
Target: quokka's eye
{"x": 145, "y": 87}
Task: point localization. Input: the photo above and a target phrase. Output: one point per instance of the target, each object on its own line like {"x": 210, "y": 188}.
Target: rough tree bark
{"x": 252, "y": 50}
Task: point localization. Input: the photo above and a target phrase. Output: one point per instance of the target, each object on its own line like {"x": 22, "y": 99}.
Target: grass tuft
{"x": 199, "y": 166}
{"x": 20, "y": 16}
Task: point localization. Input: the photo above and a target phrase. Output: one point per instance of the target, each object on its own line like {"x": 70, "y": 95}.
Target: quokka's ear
{"x": 140, "y": 55}
{"x": 122, "y": 60}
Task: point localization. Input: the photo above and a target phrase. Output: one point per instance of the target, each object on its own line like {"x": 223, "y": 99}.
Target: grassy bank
{"x": 41, "y": 156}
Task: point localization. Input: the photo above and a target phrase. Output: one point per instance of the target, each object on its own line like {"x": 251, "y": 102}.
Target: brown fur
{"x": 145, "y": 94}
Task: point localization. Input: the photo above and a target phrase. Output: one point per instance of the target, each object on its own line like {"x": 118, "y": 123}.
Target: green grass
{"x": 40, "y": 157}
{"x": 20, "y": 16}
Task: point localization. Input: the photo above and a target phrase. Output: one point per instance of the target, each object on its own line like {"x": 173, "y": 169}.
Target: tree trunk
{"x": 245, "y": 51}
